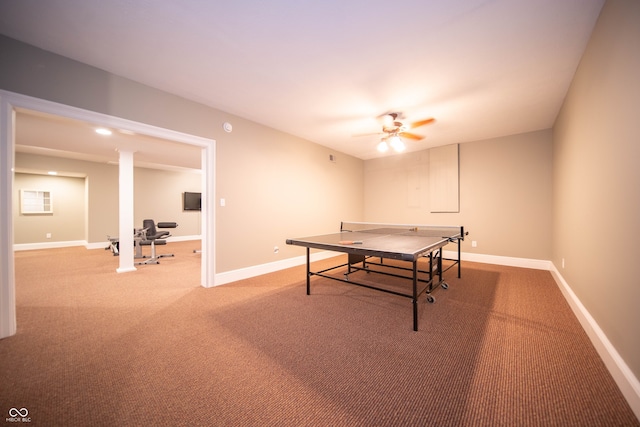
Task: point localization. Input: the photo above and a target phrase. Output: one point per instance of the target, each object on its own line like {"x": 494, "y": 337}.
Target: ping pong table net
{"x": 449, "y": 232}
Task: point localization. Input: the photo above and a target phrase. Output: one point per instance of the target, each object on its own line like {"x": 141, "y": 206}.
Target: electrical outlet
{"x": 48, "y": 235}
{"x": 474, "y": 244}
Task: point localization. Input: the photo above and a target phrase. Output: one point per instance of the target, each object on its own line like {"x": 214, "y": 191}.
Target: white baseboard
{"x": 93, "y": 245}
{"x": 184, "y": 238}
{"x": 536, "y": 264}
{"x": 624, "y": 378}
{"x": 50, "y": 245}
{"x": 256, "y": 270}
{"x": 97, "y": 245}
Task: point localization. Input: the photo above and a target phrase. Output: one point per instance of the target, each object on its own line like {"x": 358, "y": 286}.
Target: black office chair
{"x": 152, "y": 237}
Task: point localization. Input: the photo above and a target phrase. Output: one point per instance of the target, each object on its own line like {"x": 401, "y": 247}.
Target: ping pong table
{"x": 365, "y": 242}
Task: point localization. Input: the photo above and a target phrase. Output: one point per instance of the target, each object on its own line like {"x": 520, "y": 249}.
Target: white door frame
{"x": 9, "y": 101}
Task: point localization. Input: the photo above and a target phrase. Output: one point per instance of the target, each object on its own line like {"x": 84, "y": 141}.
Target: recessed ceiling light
{"x": 103, "y": 131}
{"x": 52, "y": 173}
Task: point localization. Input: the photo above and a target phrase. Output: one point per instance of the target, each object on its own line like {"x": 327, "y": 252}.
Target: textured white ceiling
{"x": 324, "y": 70}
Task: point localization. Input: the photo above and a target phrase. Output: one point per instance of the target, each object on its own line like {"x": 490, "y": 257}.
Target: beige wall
{"x": 276, "y": 186}
{"x": 66, "y": 223}
{"x": 505, "y": 194}
{"x": 596, "y": 215}
{"x": 102, "y": 194}
{"x": 157, "y": 195}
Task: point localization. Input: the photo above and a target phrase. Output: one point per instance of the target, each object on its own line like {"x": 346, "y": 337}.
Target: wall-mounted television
{"x": 191, "y": 201}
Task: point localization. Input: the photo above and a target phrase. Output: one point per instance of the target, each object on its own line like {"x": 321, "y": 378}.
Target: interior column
{"x": 125, "y": 199}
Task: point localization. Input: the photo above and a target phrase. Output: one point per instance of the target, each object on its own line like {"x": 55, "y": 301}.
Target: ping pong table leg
{"x": 440, "y": 264}
{"x": 308, "y": 272}
{"x": 459, "y": 266}
{"x": 415, "y": 295}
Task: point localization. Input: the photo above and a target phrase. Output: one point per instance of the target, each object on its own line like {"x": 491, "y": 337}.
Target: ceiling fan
{"x": 393, "y": 129}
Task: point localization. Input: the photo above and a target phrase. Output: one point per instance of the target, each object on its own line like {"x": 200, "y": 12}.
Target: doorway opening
{"x": 10, "y": 104}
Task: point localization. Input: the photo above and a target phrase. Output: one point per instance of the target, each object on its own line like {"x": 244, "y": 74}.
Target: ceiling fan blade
{"x": 411, "y": 136}
{"x": 421, "y": 123}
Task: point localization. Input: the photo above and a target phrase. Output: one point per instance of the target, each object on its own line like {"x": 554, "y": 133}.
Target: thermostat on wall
{"x": 227, "y": 127}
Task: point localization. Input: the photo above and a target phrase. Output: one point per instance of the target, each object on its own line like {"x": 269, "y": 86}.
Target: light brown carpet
{"x": 94, "y": 347}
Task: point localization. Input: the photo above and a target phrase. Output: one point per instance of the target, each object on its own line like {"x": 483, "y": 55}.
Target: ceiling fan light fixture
{"x": 393, "y": 127}
{"x": 396, "y": 143}
{"x": 388, "y": 119}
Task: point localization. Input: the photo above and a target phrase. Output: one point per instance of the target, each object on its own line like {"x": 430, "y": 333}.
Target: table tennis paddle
{"x": 350, "y": 242}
